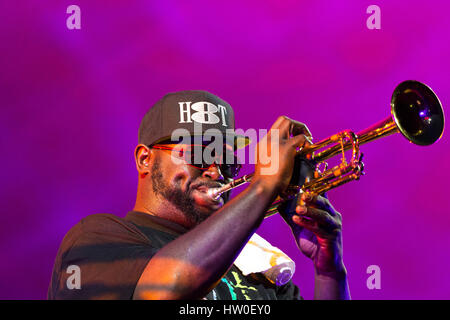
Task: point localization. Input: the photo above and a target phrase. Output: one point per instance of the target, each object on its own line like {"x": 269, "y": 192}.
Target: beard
{"x": 174, "y": 194}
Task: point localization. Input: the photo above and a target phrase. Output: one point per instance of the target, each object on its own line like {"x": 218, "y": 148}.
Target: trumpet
{"x": 416, "y": 113}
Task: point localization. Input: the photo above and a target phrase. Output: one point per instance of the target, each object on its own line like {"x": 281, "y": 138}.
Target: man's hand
{"x": 317, "y": 228}
{"x": 276, "y": 153}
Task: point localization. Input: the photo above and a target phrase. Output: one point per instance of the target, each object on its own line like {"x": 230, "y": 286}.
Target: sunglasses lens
{"x": 203, "y": 157}
{"x": 230, "y": 171}
{"x": 194, "y": 156}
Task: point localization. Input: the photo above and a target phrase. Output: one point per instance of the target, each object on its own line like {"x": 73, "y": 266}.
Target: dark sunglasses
{"x": 203, "y": 157}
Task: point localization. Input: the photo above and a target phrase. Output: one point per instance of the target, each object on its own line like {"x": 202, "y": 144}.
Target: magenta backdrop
{"x": 72, "y": 101}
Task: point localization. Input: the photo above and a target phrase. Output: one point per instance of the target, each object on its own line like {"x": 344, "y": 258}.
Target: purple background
{"x": 72, "y": 100}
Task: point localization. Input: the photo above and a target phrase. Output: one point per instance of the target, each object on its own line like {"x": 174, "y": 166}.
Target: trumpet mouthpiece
{"x": 214, "y": 193}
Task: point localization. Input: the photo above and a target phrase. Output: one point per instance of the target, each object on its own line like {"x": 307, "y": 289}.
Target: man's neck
{"x": 162, "y": 209}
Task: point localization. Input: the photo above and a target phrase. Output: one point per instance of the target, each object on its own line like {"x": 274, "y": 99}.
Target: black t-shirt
{"x": 110, "y": 253}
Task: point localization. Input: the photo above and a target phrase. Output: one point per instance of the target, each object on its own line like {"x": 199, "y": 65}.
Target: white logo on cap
{"x": 205, "y": 113}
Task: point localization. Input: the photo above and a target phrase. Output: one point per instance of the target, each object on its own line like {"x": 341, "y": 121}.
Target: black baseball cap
{"x": 189, "y": 113}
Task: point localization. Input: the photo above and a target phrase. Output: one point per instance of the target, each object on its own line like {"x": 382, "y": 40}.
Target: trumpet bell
{"x": 417, "y": 112}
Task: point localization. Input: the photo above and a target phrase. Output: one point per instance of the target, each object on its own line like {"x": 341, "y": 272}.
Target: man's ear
{"x": 142, "y": 156}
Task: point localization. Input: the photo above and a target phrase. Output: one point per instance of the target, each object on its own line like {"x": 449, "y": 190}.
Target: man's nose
{"x": 213, "y": 172}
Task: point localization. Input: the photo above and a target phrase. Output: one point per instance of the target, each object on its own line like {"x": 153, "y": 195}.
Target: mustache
{"x": 208, "y": 184}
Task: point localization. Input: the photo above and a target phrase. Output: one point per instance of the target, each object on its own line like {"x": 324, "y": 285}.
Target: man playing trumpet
{"x": 179, "y": 242}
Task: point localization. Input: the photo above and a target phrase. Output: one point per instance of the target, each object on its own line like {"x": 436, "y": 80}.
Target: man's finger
{"x": 285, "y": 128}
{"x": 307, "y": 223}
{"x": 320, "y": 216}
{"x": 318, "y": 202}
{"x": 282, "y": 123}
{"x": 300, "y": 141}
{"x": 299, "y": 128}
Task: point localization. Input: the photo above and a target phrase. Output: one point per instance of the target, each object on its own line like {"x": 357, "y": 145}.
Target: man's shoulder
{"x": 99, "y": 222}
{"x": 104, "y": 225}
{"x": 102, "y": 220}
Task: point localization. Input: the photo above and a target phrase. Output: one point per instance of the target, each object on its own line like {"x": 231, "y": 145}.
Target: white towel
{"x": 259, "y": 255}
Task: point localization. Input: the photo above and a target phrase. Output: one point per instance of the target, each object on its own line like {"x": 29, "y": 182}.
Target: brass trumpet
{"x": 416, "y": 113}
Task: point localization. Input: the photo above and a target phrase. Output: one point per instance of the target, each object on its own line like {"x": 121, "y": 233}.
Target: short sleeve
{"x": 109, "y": 255}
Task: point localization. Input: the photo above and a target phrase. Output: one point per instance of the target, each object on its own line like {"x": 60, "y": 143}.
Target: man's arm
{"x": 331, "y": 286}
